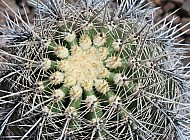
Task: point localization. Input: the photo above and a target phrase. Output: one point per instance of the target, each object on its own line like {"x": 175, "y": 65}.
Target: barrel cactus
{"x": 92, "y": 70}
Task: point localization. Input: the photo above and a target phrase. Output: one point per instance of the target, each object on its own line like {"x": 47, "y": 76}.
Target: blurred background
{"x": 16, "y": 5}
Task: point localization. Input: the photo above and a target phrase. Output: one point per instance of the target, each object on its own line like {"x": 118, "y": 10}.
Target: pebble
{"x": 186, "y": 7}
{"x": 183, "y": 22}
{"x": 169, "y": 6}
{"x": 183, "y": 16}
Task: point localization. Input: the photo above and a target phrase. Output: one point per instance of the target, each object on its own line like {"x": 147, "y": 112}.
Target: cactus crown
{"x": 93, "y": 71}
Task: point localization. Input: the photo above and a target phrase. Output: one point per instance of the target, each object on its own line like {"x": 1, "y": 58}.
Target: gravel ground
{"x": 21, "y": 7}
{"x": 182, "y": 17}
{"x": 16, "y": 5}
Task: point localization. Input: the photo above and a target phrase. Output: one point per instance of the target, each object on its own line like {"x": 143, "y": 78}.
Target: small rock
{"x": 186, "y": 8}
{"x": 187, "y": 40}
{"x": 178, "y": 1}
{"x": 159, "y": 12}
{"x": 71, "y": 1}
{"x": 158, "y": 15}
{"x": 157, "y": 2}
{"x": 169, "y": 6}
{"x": 184, "y": 21}
{"x": 157, "y": 19}
{"x": 12, "y": 5}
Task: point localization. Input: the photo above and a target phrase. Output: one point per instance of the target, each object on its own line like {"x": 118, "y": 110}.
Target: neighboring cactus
{"x": 93, "y": 71}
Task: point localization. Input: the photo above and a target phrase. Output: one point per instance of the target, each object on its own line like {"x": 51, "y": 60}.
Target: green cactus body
{"x": 97, "y": 74}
